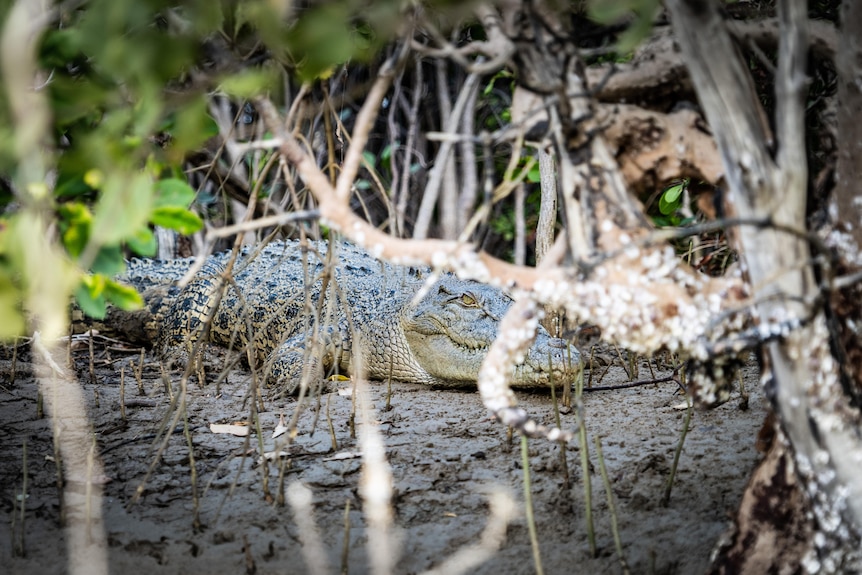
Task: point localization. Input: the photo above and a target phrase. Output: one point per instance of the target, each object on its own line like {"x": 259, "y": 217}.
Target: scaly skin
{"x": 369, "y": 313}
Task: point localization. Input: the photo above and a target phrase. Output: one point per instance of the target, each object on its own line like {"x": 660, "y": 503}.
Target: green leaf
{"x": 109, "y": 261}
{"x": 90, "y": 296}
{"x": 123, "y": 296}
{"x": 177, "y": 218}
{"x": 75, "y": 221}
{"x": 11, "y": 317}
{"x": 174, "y": 192}
{"x": 123, "y": 208}
{"x": 249, "y": 82}
{"x": 671, "y": 199}
{"x": 143, "y": 242}
{"x": 534, "y": 175}
{"x": 608, "y": 11}
{"x": 369, "y": 159}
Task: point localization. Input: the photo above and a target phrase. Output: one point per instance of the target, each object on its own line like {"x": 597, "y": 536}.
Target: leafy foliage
{"x": 639, "y": 13}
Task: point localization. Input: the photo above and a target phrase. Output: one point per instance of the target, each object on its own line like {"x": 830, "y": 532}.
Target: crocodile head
{"x": 450, "y": 330}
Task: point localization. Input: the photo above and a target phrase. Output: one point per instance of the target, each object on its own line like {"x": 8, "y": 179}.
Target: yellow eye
{"x": 468, "y": 300}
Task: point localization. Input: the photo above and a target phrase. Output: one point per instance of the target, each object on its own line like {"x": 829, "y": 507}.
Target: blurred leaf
{"x": 640, "y": 13}
{"x": 249, "y": 83}
{"x": 11, "y": 317}
{"x": 323, "y": 38}
{"x": 123, "y": 296}
{"x": 369, "y": 159}
{"x": 608, "y": 11}
{"x": 190, "y": 127}
{"x": 123, "y": 208}
{"x": 76, "y": 222}
{"x": 173, "y": 192}
{"x": 90, "y": 297}
{"x": 176, "y": 218}
{"x": 143, "y": 242}
{"x": 109, "y": 261}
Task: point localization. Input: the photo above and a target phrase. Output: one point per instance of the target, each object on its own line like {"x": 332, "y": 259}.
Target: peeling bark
{"x": 770, "y": 179}
{"x": 847, "y": 208}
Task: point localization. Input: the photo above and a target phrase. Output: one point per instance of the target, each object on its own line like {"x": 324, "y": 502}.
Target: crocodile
{"x": 286, "y": 303}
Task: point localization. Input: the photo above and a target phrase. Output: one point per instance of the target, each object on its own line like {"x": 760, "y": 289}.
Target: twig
{"x": 364, "y": 122}
{"x": 528, "y": 506}
{"x": 432, "y": 188}
{"x": 612, "y": 507}
{"x": 258, "y": 223}
{"x": 632, "y": 384}
{"x": 585, "y": 467}
{"x": 665, "y": 500}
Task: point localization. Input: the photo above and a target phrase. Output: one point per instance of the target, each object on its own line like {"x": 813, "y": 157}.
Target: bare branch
{"x": 364, "y": 122}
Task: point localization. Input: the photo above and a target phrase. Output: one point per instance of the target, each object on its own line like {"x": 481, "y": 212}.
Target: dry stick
{"x": 389, "y": 384}
{"x": 435, "y": 178}
{"x": 19, "y": 549}
{"x": 193, "y": 471}
{"x": 520, "y": 226}
{"x": 585, "y": 464}
{"x": 567, "y": 387}
{"x": 332, "y": 436}
{"x": 327, "y": 127}
{"x": 365, "y": 117}
{"x": 632, "y": 384}
{"x": 665, "y": 500}
{"x": 447, "y": 204}
{"x": 623, "y": 362}
{"x": 469, "y": 179}
{"x": 92, "y": 360}
{"x": 345, "y": 548}
{"x": 528, "y": 506}
{"x": 412, "y": 129}
{"x": 611, "y": 506}
{"x": 123, "y": 393}
{"x": 254, "y": 419}
{"x": 563, "y": 462}
{"x": 164, "y": 429}
{"x": 743, "y": 393}
{"x": 139, "y": 374}
{"x": 634, "y": 365}
{"x": 15, "y": 360}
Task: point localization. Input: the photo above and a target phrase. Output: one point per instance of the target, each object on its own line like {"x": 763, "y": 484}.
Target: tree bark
{"x": 847, "y": 208}
{"x": 812, "y": 409}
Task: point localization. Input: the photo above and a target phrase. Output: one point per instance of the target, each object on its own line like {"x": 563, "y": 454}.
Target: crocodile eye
{"x": 468, "y": 301}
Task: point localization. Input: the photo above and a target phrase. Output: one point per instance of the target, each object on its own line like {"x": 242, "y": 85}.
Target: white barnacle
{"x": 651, "y": 260}
{"x": 606, "y": 226}
{"x": 377, "y": 250}
{"x": 439, "y": 259}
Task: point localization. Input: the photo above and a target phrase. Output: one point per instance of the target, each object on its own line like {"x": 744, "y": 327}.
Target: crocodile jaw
{"x": 449, "y": 336}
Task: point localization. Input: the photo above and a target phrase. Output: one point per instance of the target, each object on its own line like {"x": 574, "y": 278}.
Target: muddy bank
{"x": 445, "y": 455}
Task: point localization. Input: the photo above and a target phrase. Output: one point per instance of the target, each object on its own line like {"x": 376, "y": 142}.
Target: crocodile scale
{"x": 283, "y": 301}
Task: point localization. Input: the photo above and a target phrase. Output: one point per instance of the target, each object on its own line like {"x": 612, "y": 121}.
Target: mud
{"x": 445, "y": 456}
